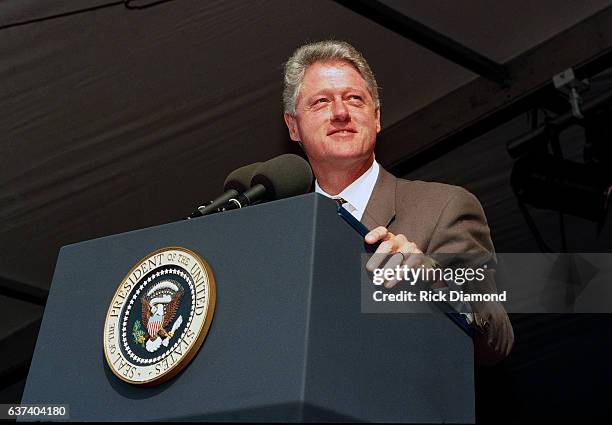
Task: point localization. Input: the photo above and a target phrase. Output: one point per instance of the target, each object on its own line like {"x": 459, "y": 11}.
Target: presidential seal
{"x": 159, "y": 316}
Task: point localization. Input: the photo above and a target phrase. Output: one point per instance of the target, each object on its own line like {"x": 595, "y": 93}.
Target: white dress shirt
{"x": 358, "y": 193}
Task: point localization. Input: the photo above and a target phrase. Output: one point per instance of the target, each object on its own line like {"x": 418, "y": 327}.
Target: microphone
{"x": 280, "y": 177}
{"x": 237, "y": 181}
{"x": 240, "y": 179}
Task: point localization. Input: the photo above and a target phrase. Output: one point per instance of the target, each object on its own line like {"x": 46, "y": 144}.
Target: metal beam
{"x": 429, "y": 38}
{"x": 481, "y": 105}
{"x": 23, "y": 291}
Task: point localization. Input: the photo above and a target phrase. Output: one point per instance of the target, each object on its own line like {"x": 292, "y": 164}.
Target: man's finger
{"x": 378, "y": 234}
{"x": 408, "y": 247}
{"x": 375, "y": 261}
{"x": 387, "y": 247}
{"x": 408, "y": 257}
{"x": 413, "y": 260}
{"x": 391, "y": 244}
{"x": 396, "y": 260}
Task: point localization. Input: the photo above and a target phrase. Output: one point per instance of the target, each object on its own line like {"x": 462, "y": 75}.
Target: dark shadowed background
{"x": 117, "y": 118}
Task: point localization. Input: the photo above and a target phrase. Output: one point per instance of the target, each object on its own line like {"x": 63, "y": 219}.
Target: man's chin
{"x": 348, "y": 157}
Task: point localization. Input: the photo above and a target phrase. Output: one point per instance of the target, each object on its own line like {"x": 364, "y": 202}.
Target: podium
{"x": 288, "y": 341}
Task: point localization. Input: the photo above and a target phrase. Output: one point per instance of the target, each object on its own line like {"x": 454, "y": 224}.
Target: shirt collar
{"x": 358, "y": 193}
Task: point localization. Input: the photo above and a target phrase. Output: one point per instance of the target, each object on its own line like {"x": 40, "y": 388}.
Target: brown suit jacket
{"x": 442, "y": 219}
{"x": 439, "y": 218}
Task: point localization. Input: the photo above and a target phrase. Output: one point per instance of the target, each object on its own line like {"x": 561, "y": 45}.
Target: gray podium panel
{"x": 288, "y": 340}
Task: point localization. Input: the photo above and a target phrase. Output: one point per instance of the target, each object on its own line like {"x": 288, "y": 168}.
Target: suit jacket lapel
{"x": 380, "y": 210}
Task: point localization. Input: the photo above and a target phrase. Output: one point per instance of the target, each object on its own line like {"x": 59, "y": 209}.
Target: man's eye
{"x": 355, "y": 97}
{"x": 322, "y": 100}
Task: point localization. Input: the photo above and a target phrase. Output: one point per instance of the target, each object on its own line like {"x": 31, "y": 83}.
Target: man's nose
{"x": 339, "y": 111}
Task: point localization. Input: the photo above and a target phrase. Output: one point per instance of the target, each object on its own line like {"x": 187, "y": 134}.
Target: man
{"x": 332, "y": 109}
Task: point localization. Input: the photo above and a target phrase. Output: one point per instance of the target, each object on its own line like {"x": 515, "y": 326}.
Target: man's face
{"x": 336, "y": 119}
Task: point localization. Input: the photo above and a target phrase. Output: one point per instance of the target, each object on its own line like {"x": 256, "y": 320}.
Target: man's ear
{"x": 292, "y": 127}
{"x": 378, "y": 120}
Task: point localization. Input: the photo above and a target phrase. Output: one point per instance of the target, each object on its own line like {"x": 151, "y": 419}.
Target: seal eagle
{"x": 159, "y": 307}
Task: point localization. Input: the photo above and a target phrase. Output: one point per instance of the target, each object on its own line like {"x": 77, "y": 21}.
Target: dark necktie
{"x": 340, "y": 201}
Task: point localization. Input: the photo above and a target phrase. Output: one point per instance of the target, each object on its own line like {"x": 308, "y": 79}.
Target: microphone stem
{"x": 217, "y": 204}
{"x": 251, "y": 196}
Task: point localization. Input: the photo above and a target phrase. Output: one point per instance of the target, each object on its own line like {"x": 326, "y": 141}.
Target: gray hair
{"x": 323, "y": 51}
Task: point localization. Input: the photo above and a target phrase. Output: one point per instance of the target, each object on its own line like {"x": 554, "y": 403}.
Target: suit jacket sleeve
{"x": 462, "y": 229}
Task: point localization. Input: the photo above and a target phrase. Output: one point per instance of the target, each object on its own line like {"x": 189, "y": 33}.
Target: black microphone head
{"x": 240, "y": 178}
{"x": 284, "y": 176}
